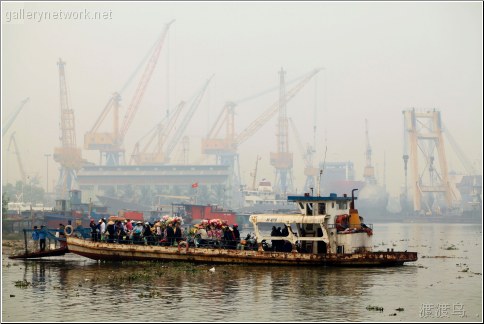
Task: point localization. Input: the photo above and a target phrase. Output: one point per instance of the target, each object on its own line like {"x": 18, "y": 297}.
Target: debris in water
{"x": 375, "y": 308}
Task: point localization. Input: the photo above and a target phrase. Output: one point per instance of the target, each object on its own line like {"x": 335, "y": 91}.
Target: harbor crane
{"x": 19, "y": 158}
{"x": 369, "y": 171}
{"x": 186, "y": 120}
{"x": 155, "y": 155}
{"x": 110, "y": 144}
{"x": 159, "y": 154}
{"x": 430, "y": 177}
{"x": 225, "y": 148}
{"x": 282, "y": 160}
{"x": 68, "y": 155}
{"x": 14, "y": 115}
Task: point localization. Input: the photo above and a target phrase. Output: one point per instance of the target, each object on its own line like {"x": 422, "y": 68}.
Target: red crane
{"x": 110, "y": 144}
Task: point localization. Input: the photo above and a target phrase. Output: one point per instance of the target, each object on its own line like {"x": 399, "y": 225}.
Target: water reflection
{"x": 187, "y": 291}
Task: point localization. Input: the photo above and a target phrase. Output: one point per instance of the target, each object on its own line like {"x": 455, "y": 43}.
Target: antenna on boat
{"x": 321, "y": 172}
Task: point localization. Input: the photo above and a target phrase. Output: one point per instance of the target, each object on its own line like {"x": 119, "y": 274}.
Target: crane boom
{"x": 14, "y": 116}
{"x": 181, "y": 129}
{"x": 110, "y": 143}
{"x": 460, "y": 154}
{"x": 271, "y": 111}
{"x": 19, "y": 159}
{"x": 133, "y": 107}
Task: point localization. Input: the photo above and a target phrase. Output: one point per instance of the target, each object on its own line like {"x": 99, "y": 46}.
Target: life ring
{"x": 180, "y": 244}
{"x": 68, "y": 230}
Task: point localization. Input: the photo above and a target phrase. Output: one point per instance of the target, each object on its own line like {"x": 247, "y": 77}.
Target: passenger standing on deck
{"x": 177, "y": 232}
{"x": 201, "y": 236}
{"x": 35, "y": 239}
{"x": 94, "y": 230}
{"x": 148, "y": 234}
{"x": 137, "y": 233}
{"x": 285, "y": 231}
{"x": 120, "y": 232}
{"x": 236, "y": 233}
{"x": 102, "y": 229}
{"x": 170, "y": 234}
{"x": 129, "y": 226}
{"x": 42, "y": 236}
{"x": 110, "y": 232}
{"x": 228, "y": 238}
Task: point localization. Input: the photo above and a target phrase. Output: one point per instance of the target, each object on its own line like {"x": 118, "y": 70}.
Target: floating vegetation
{"x": 449, "y": 248}
{"x": 374, "y": 308}
{"x": 393, "y": 314}
{"x": 400, "y": 309}
{"x": 22, "y": 283}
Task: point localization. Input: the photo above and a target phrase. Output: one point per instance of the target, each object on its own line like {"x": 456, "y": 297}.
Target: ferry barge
{"x": 328, "y": 231}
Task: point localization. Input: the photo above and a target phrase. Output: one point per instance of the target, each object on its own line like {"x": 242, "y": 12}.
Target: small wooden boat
{"x": 40, "y": 254}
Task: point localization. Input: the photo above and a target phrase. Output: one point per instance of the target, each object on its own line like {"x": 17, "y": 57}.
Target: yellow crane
{"x": 68, "y": 155}
{"x": 225, "y": 148}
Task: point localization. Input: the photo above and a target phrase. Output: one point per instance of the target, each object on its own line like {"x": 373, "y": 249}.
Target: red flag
{"x": 195, "y": 185}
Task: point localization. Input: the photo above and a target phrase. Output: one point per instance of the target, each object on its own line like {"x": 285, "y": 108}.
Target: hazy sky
{"x": 379, "y": 59}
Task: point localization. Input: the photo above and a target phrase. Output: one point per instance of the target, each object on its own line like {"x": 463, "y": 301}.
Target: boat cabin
{"x": 325, "y": 225}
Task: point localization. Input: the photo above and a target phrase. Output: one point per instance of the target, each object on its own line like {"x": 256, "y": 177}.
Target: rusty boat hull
{"x": 132, "y": 252}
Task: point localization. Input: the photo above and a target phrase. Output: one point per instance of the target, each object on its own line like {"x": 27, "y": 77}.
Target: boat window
{"x": 321, "y": 208}
{"x": 309, "y": 209}
{"x": 342, "y": 205}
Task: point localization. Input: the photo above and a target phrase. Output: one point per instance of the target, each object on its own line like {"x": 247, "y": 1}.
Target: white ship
{"x": 265, "y": 199}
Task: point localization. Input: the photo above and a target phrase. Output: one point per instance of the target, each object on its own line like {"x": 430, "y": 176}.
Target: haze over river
{"x": 445, "y": 284}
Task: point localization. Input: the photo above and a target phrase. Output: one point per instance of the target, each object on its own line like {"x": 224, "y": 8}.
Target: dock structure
{"x": 95, "y": 179}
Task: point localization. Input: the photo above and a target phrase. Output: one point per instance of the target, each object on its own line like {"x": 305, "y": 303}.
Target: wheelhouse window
{"x": 321, "y": 208}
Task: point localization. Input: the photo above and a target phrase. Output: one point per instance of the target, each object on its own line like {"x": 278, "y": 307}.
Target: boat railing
{"x": 348, "y": 228}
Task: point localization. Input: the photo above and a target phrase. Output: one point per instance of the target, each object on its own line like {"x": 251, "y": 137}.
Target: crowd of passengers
{"x": 170, "y": 234}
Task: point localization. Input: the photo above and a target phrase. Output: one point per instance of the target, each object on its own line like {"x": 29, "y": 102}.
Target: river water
{"x": 445, "y": 284}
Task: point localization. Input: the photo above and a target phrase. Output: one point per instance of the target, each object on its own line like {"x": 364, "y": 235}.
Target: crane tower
{"x": 428, "y": 163}
{"x": 225, "y": 147}
{"x": 369, "y": 171}
{"x": 68, "y": 155}
{"x": 282, "y": 160}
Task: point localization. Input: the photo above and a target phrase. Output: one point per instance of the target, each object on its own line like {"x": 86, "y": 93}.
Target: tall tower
{"x": 428, "y": 163}
{"x": 282, "y": 159}
{"x": 68, "y": 155}
{"x": 369, "y": 172}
